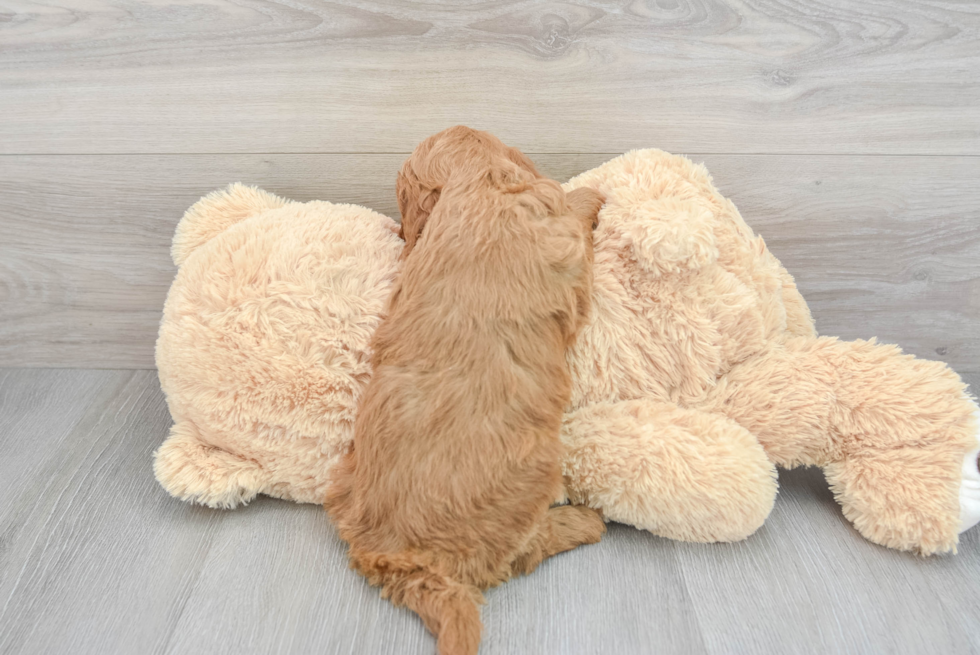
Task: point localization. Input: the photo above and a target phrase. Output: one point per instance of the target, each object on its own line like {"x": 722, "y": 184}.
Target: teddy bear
{"x": 699, "y": 372}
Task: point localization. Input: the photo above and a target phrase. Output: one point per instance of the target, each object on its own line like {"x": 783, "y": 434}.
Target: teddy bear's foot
{"x": 909, "y": 498}
{"x": 890, "y": 430}
{"x": 192, "y": 470}
{"x": 970, "y": 485}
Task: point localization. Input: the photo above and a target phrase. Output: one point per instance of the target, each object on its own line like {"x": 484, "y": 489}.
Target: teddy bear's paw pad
{"x": 970, "y": 486}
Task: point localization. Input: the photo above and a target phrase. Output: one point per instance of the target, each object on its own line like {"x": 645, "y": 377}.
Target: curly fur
{"x": 698, "y": 373}
{"x": 456, "y": 455}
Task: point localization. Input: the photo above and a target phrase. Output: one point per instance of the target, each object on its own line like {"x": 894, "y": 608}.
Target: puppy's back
{"x": 456, "y": 454}
{"x": 470, "y": 377}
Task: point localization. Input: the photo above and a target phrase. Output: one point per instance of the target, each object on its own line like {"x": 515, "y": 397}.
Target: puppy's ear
{"x": 511, "y": 170}
{"x": 509, "y": 176}
{"x": 522, "y": 160}
{"x": 415, "y": 204}
{"x": 405, "y": 192}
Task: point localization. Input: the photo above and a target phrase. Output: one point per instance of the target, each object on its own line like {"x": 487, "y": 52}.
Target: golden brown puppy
{"x": 456, "y": 451}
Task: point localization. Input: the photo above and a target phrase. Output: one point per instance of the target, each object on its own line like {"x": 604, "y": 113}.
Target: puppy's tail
{"x": 449, "y": 609}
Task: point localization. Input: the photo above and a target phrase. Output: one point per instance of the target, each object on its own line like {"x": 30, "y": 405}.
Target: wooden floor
{"x": 96, "y": 559}
{"x": 846, "y": 131}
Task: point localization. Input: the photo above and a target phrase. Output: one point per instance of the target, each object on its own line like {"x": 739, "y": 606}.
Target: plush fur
{"x": 698, "y": 372}
{"x": 457, "y": 455}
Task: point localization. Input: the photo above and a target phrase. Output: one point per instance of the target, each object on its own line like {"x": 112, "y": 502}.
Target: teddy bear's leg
{"x": 680, "y": 473}
{"x": 192, "y": 470}
{"x": 897, "y": 435}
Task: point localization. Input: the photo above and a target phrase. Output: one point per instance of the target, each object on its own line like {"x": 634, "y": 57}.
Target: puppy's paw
{"x": 586, "y": 202}
{"x": 579, "y": 524}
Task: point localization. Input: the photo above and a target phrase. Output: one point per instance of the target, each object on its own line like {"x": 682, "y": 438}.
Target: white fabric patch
{"x": 970, "y": 486}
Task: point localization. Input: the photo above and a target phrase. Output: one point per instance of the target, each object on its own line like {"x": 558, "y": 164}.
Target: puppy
{"x": 455, "y": 459}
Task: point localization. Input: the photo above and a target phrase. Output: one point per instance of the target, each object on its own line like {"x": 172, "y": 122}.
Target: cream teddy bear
{"x": 699, "y": 373}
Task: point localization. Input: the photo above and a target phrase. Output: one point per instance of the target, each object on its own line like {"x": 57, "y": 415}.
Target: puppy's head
{"x": 455, "y": 155}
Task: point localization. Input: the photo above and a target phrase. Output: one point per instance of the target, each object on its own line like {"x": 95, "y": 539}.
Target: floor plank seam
{"x": 612, "y": 153}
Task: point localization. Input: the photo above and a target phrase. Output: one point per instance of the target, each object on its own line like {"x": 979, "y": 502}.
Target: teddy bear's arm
{"x": 679, "y": 473}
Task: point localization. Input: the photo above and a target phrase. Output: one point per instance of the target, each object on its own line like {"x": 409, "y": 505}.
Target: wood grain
{"x": 247, "y": 76}
{"x": 108, "y": 112}
{"x": 95, "y": 558}
{"x": 880, "y": 246}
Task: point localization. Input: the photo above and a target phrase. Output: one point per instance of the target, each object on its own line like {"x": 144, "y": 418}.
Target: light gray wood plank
{"x": 626, "y": 594}
{"x": 299, "y": 596}
{"x": 880, "y": 246}
{"x": 276, "y": 580}
{"x": 96, "y": 558}
{"x": 38, "y": 412}
{"x": 103, "y": 562}
{"x": 809, "y": 583}
{"x": 108, "y": 76}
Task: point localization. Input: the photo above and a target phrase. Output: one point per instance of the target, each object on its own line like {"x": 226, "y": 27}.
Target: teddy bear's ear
{"x": 215, "y": 213}
{"x": 668, "y": 235}
{"x": 654, "y": 210}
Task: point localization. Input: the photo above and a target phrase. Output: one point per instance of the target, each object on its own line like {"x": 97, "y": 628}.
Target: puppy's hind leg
{"x": 563, "y": 528}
